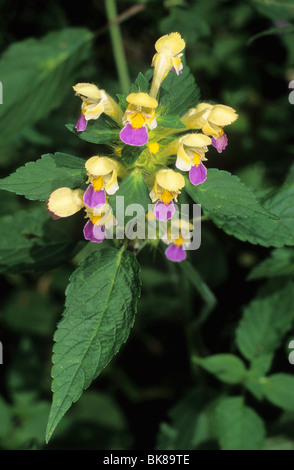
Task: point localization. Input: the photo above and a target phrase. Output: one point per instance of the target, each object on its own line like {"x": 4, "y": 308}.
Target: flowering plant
{"x": 158, "y": 140}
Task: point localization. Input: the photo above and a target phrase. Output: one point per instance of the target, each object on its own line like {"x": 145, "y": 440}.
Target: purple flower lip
{"x": 136, "y": 137}
{"x": 220, "y": 143}
{"x": 81, "y": 124}
{"x": 175, "y": 253}
{"x": 94, "y": 199}
{"x": 198, "y": 174}
{"x": 173, "y": 69}
{"x": 164, "y": 211}
{"x": 94, "y": 233}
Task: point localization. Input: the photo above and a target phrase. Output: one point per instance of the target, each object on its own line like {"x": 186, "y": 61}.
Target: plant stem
{"x": 117, "y": 46}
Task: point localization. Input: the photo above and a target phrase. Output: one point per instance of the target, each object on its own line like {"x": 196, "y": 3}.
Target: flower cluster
{"x": 102, "y": 181}
{"x": 166, "y": 153}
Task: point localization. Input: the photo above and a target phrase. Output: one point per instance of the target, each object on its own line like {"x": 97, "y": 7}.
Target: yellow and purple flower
{"x": 168, "y": 57}
{"x": 99, "y": 220}
{"x": 139, "y": 114}
{"x": 64, "y": 202}
{"x": 176, "y": 251}
{"x": 102, "y": 176}
{"x": 191, "y": 149}
{"x": 94, "y": 103}
{"x": 167, "y": 186}
{"x": 211, "y": 119}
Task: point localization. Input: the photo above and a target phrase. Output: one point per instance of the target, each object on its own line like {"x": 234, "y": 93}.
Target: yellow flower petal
{"x": 64, "y": 202}
{"x": 153, "y": 147}
{"x": 142, "y": 99}
{"x": 183, "y": 161}
{"x": 166, "y": 196}
{"x": 93, "y": 111}
{"x": 100, "y": 166}
{"x": 202, "y": 107}
{"x": 196, "y": 140}
{"x": 222, "y": 115}
{"x": 111, "y": 183}
{"x": 138, "y": 120}
{"x": 98, "y": 183}
{"x": 89, "y": 90}
{"x": 171, "y": 43}
{"x": 170, "y": 180}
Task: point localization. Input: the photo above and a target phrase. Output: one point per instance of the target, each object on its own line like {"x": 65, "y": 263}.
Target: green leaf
{"x": 130, "y": 154}
{"x": 179, "y": 92}
{"x": 278, "y": 389}
{"x": 101, "y": 303}
{"x": 279, "y": 443}
{"x": 32, "y": 240}
{"x": 265, "y": 321}
{"x": 37, "y": 74}
{"x": 226, "y": 367}
{"x": 36, "y": 180}
{"x": 237, "y": 426}
{"x": 141, "y": 84}
{"x": 97, "y": 132}
{"x": 279, "y": 263}
{"x": 259, "y": 367}
{"x": 134, "y": 190}
{"x": 276, "y": 232}
{"x": 122, "y": 102}
{"x": 225, "y": 195}
{"x": 170, "y": 120}
{"x": 189, "y": 424}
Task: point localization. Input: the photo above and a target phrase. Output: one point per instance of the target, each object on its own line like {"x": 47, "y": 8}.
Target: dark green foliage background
{"x": 153, "y": 394}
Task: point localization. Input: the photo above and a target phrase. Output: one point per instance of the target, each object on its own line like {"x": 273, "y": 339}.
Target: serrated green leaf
{"x": 32, "y": 240}
{"x": 226, "y": 367}
{"x": 265, "y": 321}
{"x": 179, "y": 92}
{"x": 279, "y": 263}
{"x": 141, "y": 84}
{"x": 237, "y": 426}
{"x": 265, "y": 231}
{"x": 36, "y": 180}
{"x": 101, "y": 302}
{"x": 97, "y": 132}
{"x": 134, "y": 190}
{"x": 278, "y": 389}
{"x": 259, "y": 367}
{"x": 224, "y": 195}
{"x": 37, "y": 74}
